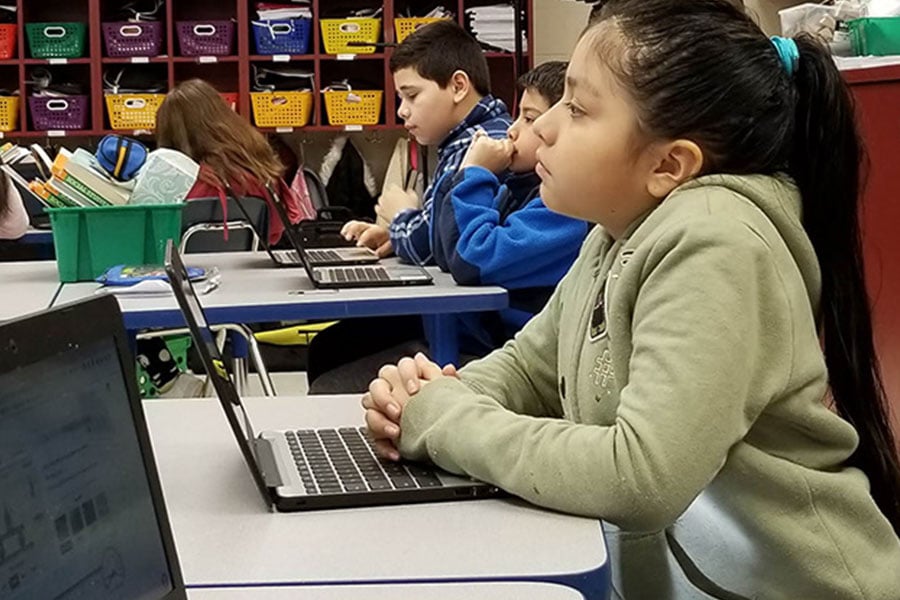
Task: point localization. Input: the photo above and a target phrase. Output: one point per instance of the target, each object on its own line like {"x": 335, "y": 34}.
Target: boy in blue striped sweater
{"x": 442, "y": 79}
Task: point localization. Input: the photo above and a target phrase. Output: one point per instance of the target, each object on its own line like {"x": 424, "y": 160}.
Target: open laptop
{"x": 364, "y": 276}
{"x": 312, "y": 469}
{"x": 81, "y": 508}
{"x": 318, "y": 257}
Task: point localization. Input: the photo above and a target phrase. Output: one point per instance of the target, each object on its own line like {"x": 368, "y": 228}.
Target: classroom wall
{"x": 558, "y": 23}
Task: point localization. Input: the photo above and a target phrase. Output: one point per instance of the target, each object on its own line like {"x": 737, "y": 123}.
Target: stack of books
{"x": 71, "y": 179}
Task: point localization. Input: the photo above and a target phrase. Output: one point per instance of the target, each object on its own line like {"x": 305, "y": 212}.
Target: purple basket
{"x": 206, "y": 38}
{"x": 124, "y": 39}
{"x": 65, "y": 112}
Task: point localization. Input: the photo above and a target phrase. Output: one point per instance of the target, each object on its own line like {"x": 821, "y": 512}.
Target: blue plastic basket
{"x": 285, "y": 36}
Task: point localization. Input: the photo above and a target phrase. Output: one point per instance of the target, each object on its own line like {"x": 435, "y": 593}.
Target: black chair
{"x": 203, "y": 225}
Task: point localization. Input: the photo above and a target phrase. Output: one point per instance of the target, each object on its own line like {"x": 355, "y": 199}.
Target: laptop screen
{"x": 212, "y": 361}
{"x": 77, "y": 517}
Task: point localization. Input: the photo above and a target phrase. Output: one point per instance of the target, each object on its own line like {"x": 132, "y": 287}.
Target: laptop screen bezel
{"x": 32, "y": 339}
{"x": 224, "y": 387}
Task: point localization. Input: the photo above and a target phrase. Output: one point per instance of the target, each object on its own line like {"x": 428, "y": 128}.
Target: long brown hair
{"x": 195, "y": 120}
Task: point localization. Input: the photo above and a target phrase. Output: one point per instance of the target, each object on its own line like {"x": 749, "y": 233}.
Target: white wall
{"x": 558, "y": 23}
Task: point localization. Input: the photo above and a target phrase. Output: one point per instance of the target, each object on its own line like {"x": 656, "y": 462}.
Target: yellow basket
{"x": 133, "y": 111}
{"x": 357, "y": 107}
{"x": 281, "y": 109}
{"x": 337, "y": 32}
{"x": 406, "y": 25}
{"x": 9, "y": 113}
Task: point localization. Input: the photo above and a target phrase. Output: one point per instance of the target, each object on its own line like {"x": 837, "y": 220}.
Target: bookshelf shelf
{"x": 232, "y": 73}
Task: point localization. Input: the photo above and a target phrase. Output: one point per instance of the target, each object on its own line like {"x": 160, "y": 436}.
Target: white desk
{"x": 442, "y": 591}
{"x": 253, "y": 291}
{"x": 225, "y": 536}
{"x": 26, "y": 287}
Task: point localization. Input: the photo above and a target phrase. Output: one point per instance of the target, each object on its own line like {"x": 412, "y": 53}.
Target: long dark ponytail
{"x": 825, "y": 163}
{"x": 702, "y": 70}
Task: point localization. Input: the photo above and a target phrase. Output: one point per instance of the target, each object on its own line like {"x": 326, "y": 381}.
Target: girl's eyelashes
{"x": 573, "y": 110}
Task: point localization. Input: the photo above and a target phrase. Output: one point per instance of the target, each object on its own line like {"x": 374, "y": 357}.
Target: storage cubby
{"x": 366, "y": 67}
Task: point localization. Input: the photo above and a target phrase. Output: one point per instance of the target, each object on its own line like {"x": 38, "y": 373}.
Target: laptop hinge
{"x": 265, "y": 460}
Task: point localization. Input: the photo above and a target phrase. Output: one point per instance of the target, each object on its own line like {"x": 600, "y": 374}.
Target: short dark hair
{"x": 547, "y": 79}
{"x": 439, "y": 49}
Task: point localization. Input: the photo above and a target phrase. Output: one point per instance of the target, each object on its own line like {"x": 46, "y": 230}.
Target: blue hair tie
{"x": 787, "y": 52}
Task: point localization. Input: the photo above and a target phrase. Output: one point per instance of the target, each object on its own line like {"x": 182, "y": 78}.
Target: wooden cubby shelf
{"x": 231, "y": 73}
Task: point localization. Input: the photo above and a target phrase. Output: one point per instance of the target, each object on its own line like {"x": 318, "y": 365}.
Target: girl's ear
{"x": 675, "y": 162}
{"x": 460, "y": 85}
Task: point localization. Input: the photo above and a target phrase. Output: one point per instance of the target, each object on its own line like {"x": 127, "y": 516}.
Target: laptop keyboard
{"x": 357, "y": 274}
{"x": 334, "y": 461}
{"x": 321, "y": 256}
{"x": 288, "y": 256}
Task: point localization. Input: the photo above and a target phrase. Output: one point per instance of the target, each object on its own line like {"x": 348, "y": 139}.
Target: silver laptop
{"x": 81, "y": 508}
{"x": 360, "y": 276}
{"x": 318, "y": 257}
{"x": 310, "y": 469}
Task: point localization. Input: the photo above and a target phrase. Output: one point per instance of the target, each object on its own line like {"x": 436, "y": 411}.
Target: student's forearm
{"x": 602, "y": 472}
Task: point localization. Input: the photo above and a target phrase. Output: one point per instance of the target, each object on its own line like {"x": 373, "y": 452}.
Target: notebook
{"x": 81, "y": 508}
{"x": 311, "y": 469}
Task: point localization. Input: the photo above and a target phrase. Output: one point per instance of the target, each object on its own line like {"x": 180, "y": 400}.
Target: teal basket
{"x": 56, "y": 40}
{"x": 89, "y": 240}
{"x": 875, "y": 36}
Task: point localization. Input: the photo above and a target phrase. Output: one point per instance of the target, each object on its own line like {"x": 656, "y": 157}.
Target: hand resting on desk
{"x": 389, "y": 393}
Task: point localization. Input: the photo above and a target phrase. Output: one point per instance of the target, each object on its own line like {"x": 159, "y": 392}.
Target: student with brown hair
{"x": 195, "y": 120}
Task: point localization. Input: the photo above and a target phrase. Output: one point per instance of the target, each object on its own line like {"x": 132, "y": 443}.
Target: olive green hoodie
{"x": 673, "y": 387}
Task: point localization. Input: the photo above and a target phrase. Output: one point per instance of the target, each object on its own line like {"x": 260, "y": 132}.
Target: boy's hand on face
{"x": 493, "y": 155}
{"x": 388, "y": 395}
{"x": 369, "y": 235}
{"x": 394, "y": 200}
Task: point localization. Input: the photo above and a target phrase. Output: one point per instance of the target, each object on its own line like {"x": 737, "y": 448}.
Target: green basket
{"x": 89, "y": 240}
{"x": 875, "y": 36}
{"x": 56, "y": 40}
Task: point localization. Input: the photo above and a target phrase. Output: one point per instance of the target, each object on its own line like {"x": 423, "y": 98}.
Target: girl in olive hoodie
{"x": 703, "y": 379}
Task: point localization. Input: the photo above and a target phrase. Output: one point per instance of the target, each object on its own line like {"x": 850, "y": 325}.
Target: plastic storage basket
{"x": 56, "y": 40}
{"x": 9, "y": 113}
{"x": 8, "y": 41}
{"x": 205, "y": 38}
{"x": 355, "y": 107}
{"x": 336, "y": 33}
{"x": 124, "y": 39}
{"x": 52, "y": 113}
{"x": 133, "y": 111}
{"x": 89, "y": 240}
{"x": 289, "y": 36}
{"x": 406, "y": 25}
{"x": 875, "y": 36}
{"x": 281, "y": 109}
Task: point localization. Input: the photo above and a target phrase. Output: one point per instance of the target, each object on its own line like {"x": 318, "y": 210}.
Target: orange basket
{"x": 281, "y": 109}
{"x": 8, "y": 41}
{"x": 354, "y": 107}
{"x": 406, "y": 25}
{"x": 9, "y": 113}
{"x": 231, "y": 99}
{"x": 336, "y": 33}
{"x": 133, "y": 111}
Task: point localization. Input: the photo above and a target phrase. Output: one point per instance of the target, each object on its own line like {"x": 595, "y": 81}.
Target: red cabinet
{"x": 877, "y": 93}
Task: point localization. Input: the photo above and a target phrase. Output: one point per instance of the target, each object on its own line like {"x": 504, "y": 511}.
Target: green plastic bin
{"x": 89, "y": 240}
{"x": 56, "y": 40}
{"x": 875, "y": 36}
